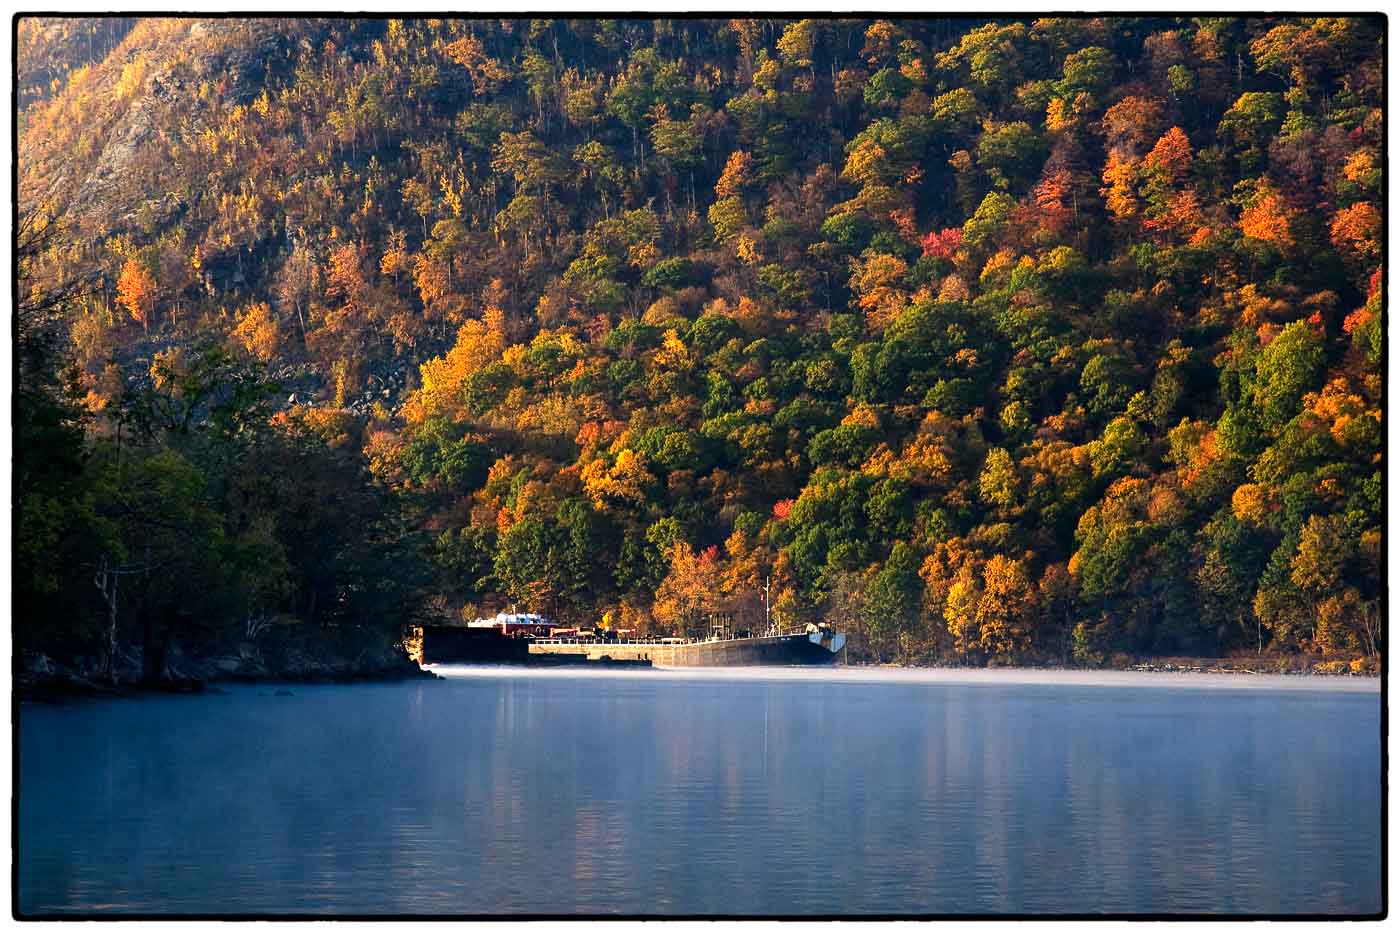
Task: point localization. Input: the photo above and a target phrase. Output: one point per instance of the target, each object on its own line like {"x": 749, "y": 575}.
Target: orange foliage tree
{"x": 1267, "y": 218}
{"x": 136, "y": 290}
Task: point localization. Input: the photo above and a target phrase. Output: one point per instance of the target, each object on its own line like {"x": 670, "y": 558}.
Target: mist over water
{"x": 999, "y": 677}
{"x": 767, "y": 791}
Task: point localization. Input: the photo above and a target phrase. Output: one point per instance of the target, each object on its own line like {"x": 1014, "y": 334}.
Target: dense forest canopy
{"x": 984, "y": 340}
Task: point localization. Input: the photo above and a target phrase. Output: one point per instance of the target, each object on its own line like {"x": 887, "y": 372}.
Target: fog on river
{"x": 851, "y": 791}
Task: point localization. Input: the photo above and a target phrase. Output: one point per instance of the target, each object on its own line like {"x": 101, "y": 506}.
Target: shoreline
{"x": 1143, "y": 675}
{"x": 1254, "y": 667}
{"x": 64, "y": 686}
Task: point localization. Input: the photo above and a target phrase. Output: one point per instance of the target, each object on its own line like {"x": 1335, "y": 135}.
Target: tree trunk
{"x": 106, "y": 582}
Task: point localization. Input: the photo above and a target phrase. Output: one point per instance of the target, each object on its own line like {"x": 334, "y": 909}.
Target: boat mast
{"x": 767, "y": 620}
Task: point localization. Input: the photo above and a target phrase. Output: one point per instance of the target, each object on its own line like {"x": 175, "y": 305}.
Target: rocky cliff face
{"x": 90, "y": 147}
{"x": 49, "y": 48}
{"x": 118, "y": 142}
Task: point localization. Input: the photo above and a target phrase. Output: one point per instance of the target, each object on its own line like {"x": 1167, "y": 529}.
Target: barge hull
{"x": 448, "y": 644}
{"x": 454, "y": 644}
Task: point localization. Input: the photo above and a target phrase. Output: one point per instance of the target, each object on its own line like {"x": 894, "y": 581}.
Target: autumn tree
{"x": 136, "y": 290}
{"x": 258, "y": 331}
{"x": 691, "y": 592}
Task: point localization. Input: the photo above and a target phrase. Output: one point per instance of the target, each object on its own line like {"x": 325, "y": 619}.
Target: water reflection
{"x": 704, "y": 795}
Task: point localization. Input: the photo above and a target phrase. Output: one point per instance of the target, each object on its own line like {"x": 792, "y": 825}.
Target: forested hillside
{"x": 1012, "y": 340}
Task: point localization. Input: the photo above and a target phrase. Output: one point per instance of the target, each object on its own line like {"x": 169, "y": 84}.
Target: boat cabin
{"x": 516, "y": 624}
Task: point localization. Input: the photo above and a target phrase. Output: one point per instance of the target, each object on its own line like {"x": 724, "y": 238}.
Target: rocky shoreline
{"x": 1300, "y": 666}
{"x": 1321, "y": 671}
{"x": 39, "y": 678}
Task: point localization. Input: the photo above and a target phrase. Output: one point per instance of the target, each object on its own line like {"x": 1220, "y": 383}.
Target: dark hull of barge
{"x": 452, "y": 644}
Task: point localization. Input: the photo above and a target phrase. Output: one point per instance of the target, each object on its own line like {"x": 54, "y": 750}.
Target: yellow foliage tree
{"x": 487, "y": 73}
{"x": 960, "y": 610}
{"x": 1005, "y": 607}
{"x": 1120, "y": 175}
{"x": 395, "y": 258}
{"x": 866, "y": 163}
{"x": 672, "y": 354}
{"x": 747, "y": 249}
{"x": 479, "y": 343}
{"x": 691, "y": 591}
{"x": 258, "y": 331}
{"x": 736, "y": 175}
{"x": 1252, "y": 503}
{"x": 878, "y": 281}
{"x": 625, "y": 481}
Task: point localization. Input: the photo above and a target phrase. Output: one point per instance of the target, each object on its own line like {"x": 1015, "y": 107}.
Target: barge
{"x": 496, "y": 644}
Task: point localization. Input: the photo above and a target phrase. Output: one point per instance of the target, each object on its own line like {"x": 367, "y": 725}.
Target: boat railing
{"x": 611, "y": 641}
{"x": 574, "y": 640}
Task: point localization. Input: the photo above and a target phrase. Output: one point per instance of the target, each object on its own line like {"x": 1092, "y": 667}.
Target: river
{"x": 759, "y": 792}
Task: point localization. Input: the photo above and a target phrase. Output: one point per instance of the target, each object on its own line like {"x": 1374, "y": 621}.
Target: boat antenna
{"x": 767, "y": 619}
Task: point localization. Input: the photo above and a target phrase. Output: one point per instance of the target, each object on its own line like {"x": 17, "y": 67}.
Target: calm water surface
{"x": 705, "y": 793}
